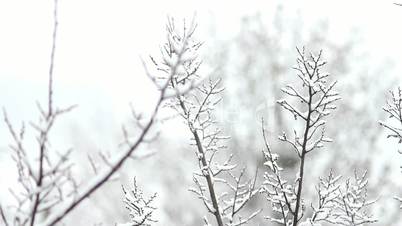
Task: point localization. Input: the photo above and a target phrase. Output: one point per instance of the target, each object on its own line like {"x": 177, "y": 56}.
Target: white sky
{"x": 100, "y": 41}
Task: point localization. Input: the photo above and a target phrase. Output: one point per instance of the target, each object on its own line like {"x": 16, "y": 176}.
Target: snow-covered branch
{"x": 328, "y": 191}
{"x": 340, "y": 205}
{"x": 196, "y": 109}
{"x": 45, "y": 179}
{"x": 393, "y": 108}
{"x": 345, "y": 204}
{"x": 317, "y": 99}
{"x": 279, "y": 193}
{"x": 140, "y": 208}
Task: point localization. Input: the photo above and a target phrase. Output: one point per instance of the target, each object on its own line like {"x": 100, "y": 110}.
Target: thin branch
{"x": 106, "y": 174}
{"x": 44, "y": 134}
{"x": 3, "y": 216}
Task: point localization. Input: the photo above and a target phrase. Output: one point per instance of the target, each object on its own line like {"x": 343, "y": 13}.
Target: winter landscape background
{"x": 251, "y": 45}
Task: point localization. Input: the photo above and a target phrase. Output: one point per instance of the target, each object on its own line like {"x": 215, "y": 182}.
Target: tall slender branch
{"x": 52, "y": 56}
{"x": 317, "y": 97}
{"x": 302, "y": 160}
{"x": 44, "y": 134}
{"x": 197, "y": 110}
{"x": 3, "y": 216}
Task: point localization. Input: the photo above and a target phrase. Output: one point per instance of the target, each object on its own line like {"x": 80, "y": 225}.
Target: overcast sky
{"x": 100, "y": 42}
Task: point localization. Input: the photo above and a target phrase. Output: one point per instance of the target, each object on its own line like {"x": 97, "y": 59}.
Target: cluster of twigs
{"x": 338, "y": 205}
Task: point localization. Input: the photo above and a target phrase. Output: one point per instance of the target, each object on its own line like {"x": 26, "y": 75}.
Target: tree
{"x": 49, "y": 190}
{"x": 338, "y": 205}
{"x": 196, "y": 109}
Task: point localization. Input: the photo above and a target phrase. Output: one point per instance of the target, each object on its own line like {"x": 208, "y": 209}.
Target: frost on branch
{"x": 279, "y": 193}
{"x": 140, "y": 208}
{"x": 44, "y": 175}
{"x": 210, "y": 143}
{"x": 45, "y": 179}
{"x": 328, "y": 191}
{"x": 195, "y": 106}
{"x": 197, "y": 111}
{"x": 343, "y": 204}
{"x": 336, "y": 204}
{"x": 316, "y": 97}
{"x": 179, "y": 64}
{"x": 394, "y": 110}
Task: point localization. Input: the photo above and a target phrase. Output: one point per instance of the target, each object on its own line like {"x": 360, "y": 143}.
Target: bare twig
{"x": 3, "y": 216}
